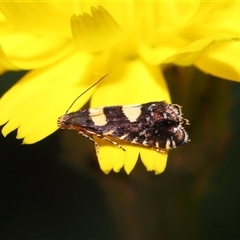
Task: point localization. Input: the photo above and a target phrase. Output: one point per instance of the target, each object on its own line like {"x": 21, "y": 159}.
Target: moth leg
{"x": 116, "y": 144}
{"x": 160, "y": 150}
{"x": 100, "y": 136}
{"x": 90, "y": 138}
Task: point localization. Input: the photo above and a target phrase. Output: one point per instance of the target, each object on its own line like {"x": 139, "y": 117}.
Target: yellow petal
{"x": 191, "y": 53}
{"x": 24, "y": 50}
{"x": 97, "y": 32}
{"x": 220, "y": 18}
{"x": 29, "y": 52}
{"x": 5, "y": 62}
{"x": 111, "y": 157}
{"x": 130, "y": 82}
{"x": 159, "y": 26}
{"x": 158, "y": 18}
{"x": 222, "y": 61}
{"x": 35, "y": 102}
{"x": 127, "y": 83}
{"x": 41, "y": 18}
{"x": 160, "y": 53}
{"x": 153, "y": 160}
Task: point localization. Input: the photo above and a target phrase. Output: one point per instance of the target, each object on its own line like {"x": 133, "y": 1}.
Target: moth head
{"x": 64, "y": 123}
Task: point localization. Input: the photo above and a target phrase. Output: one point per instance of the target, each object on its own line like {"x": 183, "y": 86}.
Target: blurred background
{"x": 54, "y": 189}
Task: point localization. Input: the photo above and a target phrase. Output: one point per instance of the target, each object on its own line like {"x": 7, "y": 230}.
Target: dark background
{"x": 54, "y": 189}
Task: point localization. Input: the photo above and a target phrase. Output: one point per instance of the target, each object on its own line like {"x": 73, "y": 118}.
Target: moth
{"x": 157, "y": 125}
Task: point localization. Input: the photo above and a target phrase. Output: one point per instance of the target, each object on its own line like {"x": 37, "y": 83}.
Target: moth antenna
{"x": 86, "y": 91}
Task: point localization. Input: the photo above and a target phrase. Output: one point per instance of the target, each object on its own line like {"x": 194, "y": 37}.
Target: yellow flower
{"x": 68, "y": 46}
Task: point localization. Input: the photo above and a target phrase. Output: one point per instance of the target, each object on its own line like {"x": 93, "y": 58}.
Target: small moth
{"x": 156, "y": 125}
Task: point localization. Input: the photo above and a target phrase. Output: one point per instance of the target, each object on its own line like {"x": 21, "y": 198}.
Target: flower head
{"x": 68, "y": 46}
